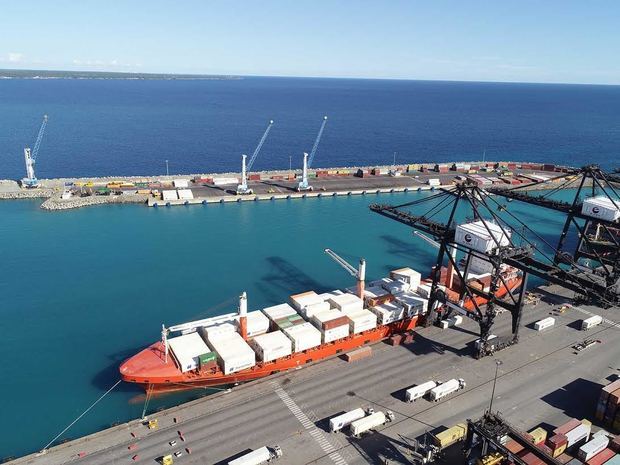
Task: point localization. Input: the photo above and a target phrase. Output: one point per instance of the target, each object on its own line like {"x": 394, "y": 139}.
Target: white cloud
{"x": 15, "y": 57}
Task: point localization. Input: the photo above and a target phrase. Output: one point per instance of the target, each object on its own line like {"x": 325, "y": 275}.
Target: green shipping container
{"x": 285, "y": 324}
{"x": 207, "y": 358}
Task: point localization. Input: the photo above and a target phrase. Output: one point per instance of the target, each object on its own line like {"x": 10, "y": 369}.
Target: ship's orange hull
{"x": 150, "y": 369}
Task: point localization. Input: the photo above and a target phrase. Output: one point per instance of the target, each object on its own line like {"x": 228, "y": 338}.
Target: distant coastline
{"x": 47, "y": 74}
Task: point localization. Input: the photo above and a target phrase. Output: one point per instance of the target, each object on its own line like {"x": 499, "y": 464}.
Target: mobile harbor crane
{"x": 308, "y": 159}
{"x": 243, "y": 189}
{"x": 30, "y": 156}
{"x": 358, "y": 273}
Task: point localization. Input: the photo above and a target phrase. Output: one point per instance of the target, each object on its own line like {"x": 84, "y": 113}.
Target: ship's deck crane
{"x": 243, "y": 189}
{"x": 308, "y": 159}
{"x": 358, "y": 273}
{"x": 30, "y": 157}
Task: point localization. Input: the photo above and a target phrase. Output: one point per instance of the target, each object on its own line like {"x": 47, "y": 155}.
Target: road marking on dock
{"x": 316, "y": 433}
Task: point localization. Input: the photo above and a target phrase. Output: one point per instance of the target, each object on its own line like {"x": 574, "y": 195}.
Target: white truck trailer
{"x": 591, "y": 322}
{"x": 341, "y": 421}
{"x": 414, "y": 393}
{"x": 358, "y": 427}
{"x": 441, "y": 391}
{"x": 258, "y": 456}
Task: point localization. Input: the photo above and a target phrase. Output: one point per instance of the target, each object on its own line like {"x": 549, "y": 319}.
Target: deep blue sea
{"x": 82, "y": 290}
{"x": 108, "y": 127}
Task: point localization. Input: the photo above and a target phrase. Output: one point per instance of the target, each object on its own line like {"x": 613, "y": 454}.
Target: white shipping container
{"x": 489, "y": 341}
{"x": 367, "y": 423}
{"x": 480, "y": 265}
{"x": 256, "y": 457}
{"x": 482, "y": 236}
{"x": 602, "y": 208}
{"x": 388, "y": 313}
{"x": 169, "y": 195}
{"x": 257, "y": 323}
{"x": 233, "y": 352}
{"x": 310, "y": 310}
{"x": 593, "y": 447}
{"x": 185, "y": 194}
{"x": 407, "y": 275}
{"x": 433, "y": 182}
{"x": 336, "y": 333}
{"x": 181, "y": 183}
{"x": 591, "y": 322}
{"x": 271, "y": 346}
{"x": 412, "y": 303}
{"x": 304, "y": 336}
{"x": 327, "y": 315}
{"x": 414, "y": 393}
{"x": 361, "y": 320}
{"x": 279, "y": 311}
{"x": 186, "y": 350}
{"x": 341, "y": 421}
{"x": 299, "y": 301}
{"x": 224, "y": 181}
{"x": 219, "y": 328}
{"x": 394, "y": 287}
{"x": 346, "y": 302}
{"x": 327, "y": 295}
{"x": 424, "y": 290}
{"x": 578, "y": 434}
{"x": 544, "y": 323}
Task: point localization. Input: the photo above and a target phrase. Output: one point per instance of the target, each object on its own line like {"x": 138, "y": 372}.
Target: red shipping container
{"x": 358, "y": 354}
{"x": 614, "y": 444}
{"x": 557, "y": 440}
{"x": 564, "y": 458}
{"x": 568, "y": 426}
{"x": 601, "y": 457}
{"x": 395, "y": 340}
{"x": 514, "y": 447}
{"x": 530, "y": 458}
{"x": 340, "y": 321}
{"x": 254, "y": 177}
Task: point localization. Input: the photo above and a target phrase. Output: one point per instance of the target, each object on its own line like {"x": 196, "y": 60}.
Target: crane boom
{"x": 359, "y": 273}
{"x": 37, "y": 144}
{"x": 259, "y": 146}
{"x": 316, "y": 142}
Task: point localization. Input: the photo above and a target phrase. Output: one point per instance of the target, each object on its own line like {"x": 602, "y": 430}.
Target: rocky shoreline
{"x": 55, "y": 203}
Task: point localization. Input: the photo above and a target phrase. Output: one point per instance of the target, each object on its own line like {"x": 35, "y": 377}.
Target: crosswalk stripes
{"x": 316, "y": 434}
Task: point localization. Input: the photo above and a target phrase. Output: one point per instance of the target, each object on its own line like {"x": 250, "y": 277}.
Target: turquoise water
{"x": 82, "y": 290}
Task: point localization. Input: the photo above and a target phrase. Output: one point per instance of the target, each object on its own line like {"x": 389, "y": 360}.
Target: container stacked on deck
{"x": 332, "y": 323}
{"x": 233, "y": 352}
{"x": 303, "y": 337}
{"x": 282, "y": 316}
{"x": 257, "y": 323}
{"x": 388, "y": 312}
{"x": 576, "y": 431}
{"x": 353, "y": 307}
{"x": 608, "y": 406}
{"x": 557, "y": 443}
{"x": 407, "y": 275}
{"x": 593, "y": 447}
{"x": 188, "y": 349}
{"x": 271, "y": 346}
{"x": 308, "y": 303}
{"x": 412, "y": 303}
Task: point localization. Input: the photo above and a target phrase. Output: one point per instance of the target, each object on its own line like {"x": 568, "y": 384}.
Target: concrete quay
{"x": 542, "y": 379}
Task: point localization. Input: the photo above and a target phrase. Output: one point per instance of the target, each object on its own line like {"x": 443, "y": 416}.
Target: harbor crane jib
{"x": 358, "y": 273}
{"x": 30, "y": 157}
{"x": 242, "y": 188}
{"x": 308, "y": 159}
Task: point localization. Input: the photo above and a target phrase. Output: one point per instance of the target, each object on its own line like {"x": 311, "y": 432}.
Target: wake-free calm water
{"x": 82, "y": 290}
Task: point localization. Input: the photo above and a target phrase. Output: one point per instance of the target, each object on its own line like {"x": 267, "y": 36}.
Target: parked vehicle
{"x": 258, "y": 456}
{"x": 441, "y": 391}
{"x": 363, "y": 425}
{"x": 414, "y": 393}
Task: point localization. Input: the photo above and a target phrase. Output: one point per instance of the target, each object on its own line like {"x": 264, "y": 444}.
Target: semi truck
{"x": 441, "y": 391}
{"x": 414, "y": 393}
{"x": 259, "y": 456}
{"x": 341, "y": 421}
{"x": 358, "y": 427}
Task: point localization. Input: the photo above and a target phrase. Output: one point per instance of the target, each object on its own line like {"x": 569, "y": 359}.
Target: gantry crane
{"x": 358, "y": 273}
{"x": 30, "y": 157}
{"x": 242, "y": 188}
{"x": 308, "y": 159}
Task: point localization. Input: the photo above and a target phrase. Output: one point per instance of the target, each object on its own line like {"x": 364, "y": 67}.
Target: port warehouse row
{"x": 572, "y": 442}
{"x": 306, "y": 321}
{"x": 504, "y": 171}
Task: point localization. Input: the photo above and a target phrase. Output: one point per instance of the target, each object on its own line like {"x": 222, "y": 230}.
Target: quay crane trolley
{"x": 308, "y": 159}
{"x": 242, "y": 188}
{"x": 30, "y": 157}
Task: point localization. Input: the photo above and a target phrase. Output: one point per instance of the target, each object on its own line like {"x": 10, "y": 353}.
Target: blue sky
{"x": 496, "y": 40}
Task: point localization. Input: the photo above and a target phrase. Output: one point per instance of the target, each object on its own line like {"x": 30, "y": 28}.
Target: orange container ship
{"x": 242, "y": 346}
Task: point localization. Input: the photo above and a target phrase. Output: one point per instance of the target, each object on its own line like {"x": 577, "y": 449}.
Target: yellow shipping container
{"x": 413, "y": 167}
{"x": 559, "y": 451}
{"x": 451, "y": 435}
{"x": 539, "y": 435}
{"x": 491, "y": 459}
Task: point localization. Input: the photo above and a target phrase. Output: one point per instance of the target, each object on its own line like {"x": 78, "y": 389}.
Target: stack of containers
{"x": 281, "y": 315}
{"x": 299, "y": 301}
{"x": 272, "y": 346}
{"x": 407, "y": 275}
{"x": 333, "y": 324}
{"x": 538, "y": 435}
{"x": 303, "y": 337}
{"x": 257, "y": 323}
{"x": 388, "y": 313}
{"x": 608, "y": 406}
{"x": 312, "y": 309}
{"x": 593, "y": 447}
{"x": 393, "y": 287}
{"x": 557, "y": 443}
{"x": 233, "y": 352}
{"x": 353, "y": 307}
{"x": 375, "y": 295}
{"x": 575, "y": 431}
{"x": 219, "y": 328}
{"x": 412, "y": 303}
{"x": 187, "y": 350}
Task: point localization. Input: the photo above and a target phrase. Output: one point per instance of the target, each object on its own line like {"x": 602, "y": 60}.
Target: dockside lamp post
{"x": 497, "y": 364}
